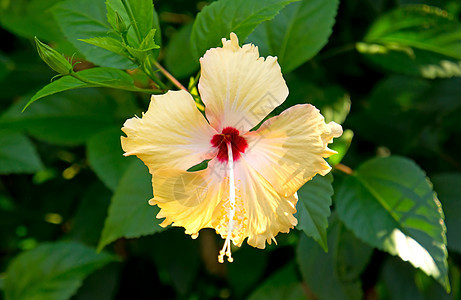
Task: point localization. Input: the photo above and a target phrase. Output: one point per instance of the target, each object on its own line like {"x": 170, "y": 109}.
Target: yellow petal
{"x": 171, "y": 134}
{"x": 288, "y": 150}
{"x": 196, "y": 200}
{"x": 238, "y": 87}
{"x": 268, "y": 213}
{"x": 187, "y": 199}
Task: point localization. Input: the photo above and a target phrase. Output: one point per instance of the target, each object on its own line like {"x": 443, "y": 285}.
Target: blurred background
{"x": 61, "y": 161}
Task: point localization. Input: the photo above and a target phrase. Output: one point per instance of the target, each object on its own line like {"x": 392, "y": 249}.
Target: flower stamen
{"x": 226, "y": 250}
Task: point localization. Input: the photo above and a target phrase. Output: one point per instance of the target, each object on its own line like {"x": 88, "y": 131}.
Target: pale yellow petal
{"x": 187, "y": 199}
{"x": 171, "y": 134}
{"x": 238, "y": 87}
{"x": 289, "y": 149}
{"x": 268, "y": 213}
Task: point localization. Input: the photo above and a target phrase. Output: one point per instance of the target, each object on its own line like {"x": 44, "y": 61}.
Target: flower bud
{"x": 120, "y": 24}
{"x": 53, "y": 59}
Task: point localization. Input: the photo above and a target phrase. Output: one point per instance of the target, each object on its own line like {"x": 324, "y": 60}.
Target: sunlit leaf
{"x": 220, "y": 18}
{"x": 52, "y": 271}
{"x": 297, "y": 33}
{"x": 130, "y": 215}
{"x": 389, "y": 203}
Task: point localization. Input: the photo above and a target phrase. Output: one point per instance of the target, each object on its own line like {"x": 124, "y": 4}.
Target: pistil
{"x": 226, "y": 250}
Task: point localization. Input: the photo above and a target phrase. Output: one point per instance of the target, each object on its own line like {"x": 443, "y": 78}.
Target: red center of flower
{"x": 232, "y": 136}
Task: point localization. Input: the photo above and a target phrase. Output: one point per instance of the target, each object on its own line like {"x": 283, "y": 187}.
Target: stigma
{"x": 229, "y": 139}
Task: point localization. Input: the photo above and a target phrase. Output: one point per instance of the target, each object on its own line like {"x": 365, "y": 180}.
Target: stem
{"x": 147, "y": 68}
{"x": 126, "y": 88}
{"x": 343, "y": 168}
{"x": 169, "y": 76}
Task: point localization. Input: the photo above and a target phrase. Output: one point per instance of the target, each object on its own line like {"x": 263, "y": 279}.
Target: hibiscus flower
{"x": 248, "y": 189}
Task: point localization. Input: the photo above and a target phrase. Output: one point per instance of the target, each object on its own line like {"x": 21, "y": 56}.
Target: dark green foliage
{"x": 384, "y": 224}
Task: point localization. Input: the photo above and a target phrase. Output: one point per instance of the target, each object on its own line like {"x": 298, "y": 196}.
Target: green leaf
{"x": 448, "y": 188}
{"x": 313, "y": 208}
{"x": 178, "y": 55}
{"x": 130, "y": 215}
{"x": 109, "y": 77}
{"x": 251, "y": 262}
{"x": 419, "y": 26}
{"x": 394, "y": 112}
{"x": 143, "y": 12}
{"x": 52, "y": 271}
{"x": 106, "y": 158}
{"x": 17, "y": 154}
{"x": 91, "y": 213}
{"x": 6, "y": 66}
{"x": 352, "y": 256}
{"x": 145, "y": 19}
{"x": 180, "y": 267}
{"x": 84, "y": 19}
{"x": 141, "y": 53}
{"x": 103, "y": 284}
{"x": 69, "y": 118}
{"x": 339, "y": 268}
{"x": 220, "y": 18}
{"x": 416, "y": 40}
{"x": 108, "y": 43}
{"x": 398, "y": 280}
{"x": 409, "y": 61}
{"x": 298, "y": 33}
{"x": 148, "y": 43}
{"x": 282, "y": 285}
{"x": 333, "y": 101}
{"x": 340, "y": 145}
{"x": 30, "y": 18}
{"x": 389, "y": 203}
